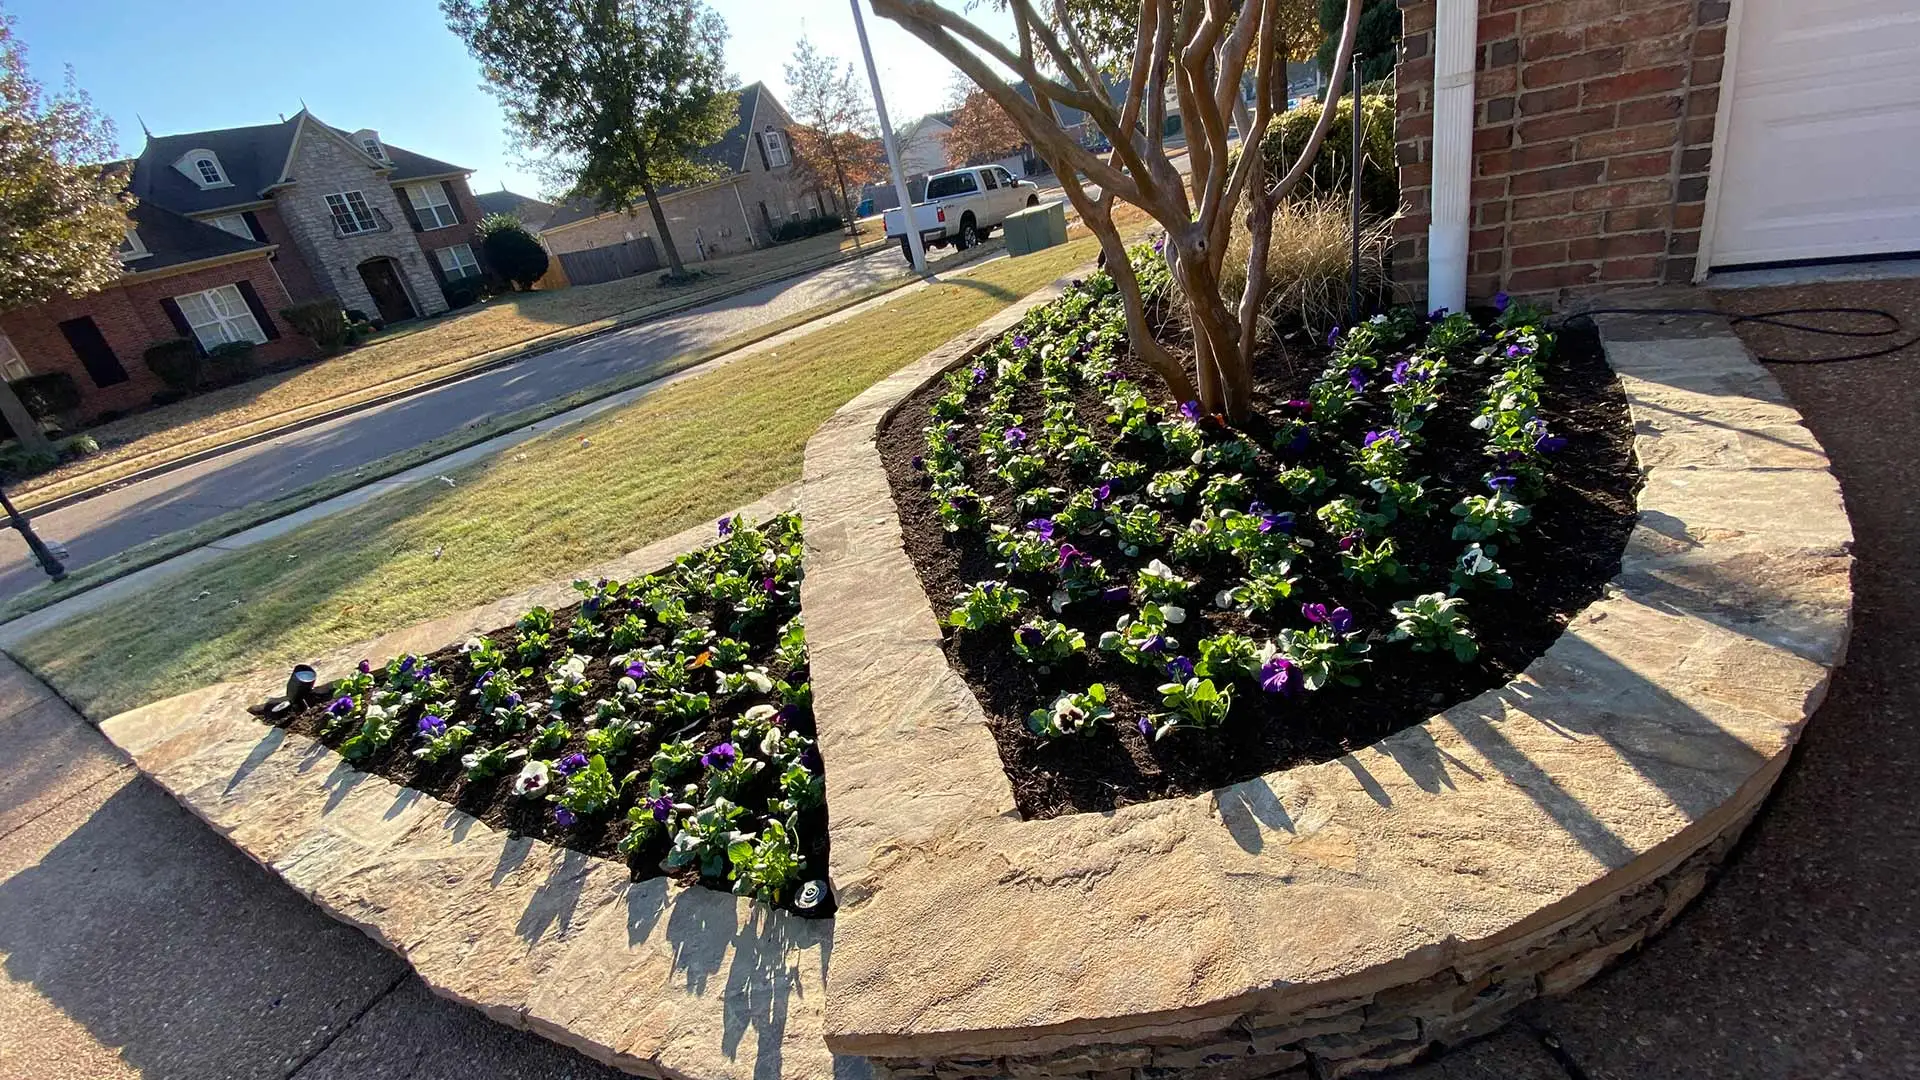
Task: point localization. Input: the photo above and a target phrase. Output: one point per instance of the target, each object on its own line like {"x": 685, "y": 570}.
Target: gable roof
{"x": 532, "y": 213}
{"x": 172, "y": 239}
{"x": 254, "y": 158}
{"x": 729, "y": 152}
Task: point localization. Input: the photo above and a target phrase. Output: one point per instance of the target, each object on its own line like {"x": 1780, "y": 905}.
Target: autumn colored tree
{"x": 836, "y": 146}
{"x": 982, "y": 131}
{"x": 64, "y": 206}
{"x": 1196, "y": 53}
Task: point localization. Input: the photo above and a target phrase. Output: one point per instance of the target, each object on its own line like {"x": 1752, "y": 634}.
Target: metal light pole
{"x": 914, "y": 247}
{"x": 40, "y": 550}
{"x": 1353, "y": 288}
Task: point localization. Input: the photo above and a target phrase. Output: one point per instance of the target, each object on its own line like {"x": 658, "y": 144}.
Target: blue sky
{"x": 392, "y": 65}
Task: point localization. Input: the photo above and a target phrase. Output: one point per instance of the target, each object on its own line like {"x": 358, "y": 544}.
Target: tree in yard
{"x": 622, "y": 95}
{"x": 982, "y": 131}
{"x": 1379, "y": 30}
{"x": 837, "y": 145}
{"x": 1196, "y": 53}
{"x": 64, "y": 208}
{"x": 511, "y": 250}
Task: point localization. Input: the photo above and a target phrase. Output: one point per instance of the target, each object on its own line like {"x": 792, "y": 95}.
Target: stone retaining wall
{"x": 1346, "y": 916}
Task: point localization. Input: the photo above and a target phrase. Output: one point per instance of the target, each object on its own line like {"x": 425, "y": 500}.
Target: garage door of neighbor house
{"x": 1822, "y": 153}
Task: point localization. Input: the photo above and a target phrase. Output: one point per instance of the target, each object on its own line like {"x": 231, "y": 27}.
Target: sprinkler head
{"x": 300, "y": 684}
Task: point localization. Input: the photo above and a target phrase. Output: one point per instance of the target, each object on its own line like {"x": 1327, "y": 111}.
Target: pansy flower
{"x": 919, "y": 463}
{"x": 1156, "y": 644}
{"x": 725, "y": 525}
{"x": 1032, "y": 637}
{"x": 1280, "y": 523}
{"x": 1070, "y": 555}
{"x": 1181, "y": 668}
{"x": 1190, "y": 410}
{"x": 366, "y": 668}
{"x": 1346, "y": 542}
{"x": 1015, "y": 436}
{"x": 1518, "y": 350}
{"x": 1043, "y": 526}
{"x": 1357, "y": 380}
{"x": 979, "y": 374}
{"x": 1502, "y": 481}
{"x": 1333, "y": 336}
{"x": 661, "y": 806}
{"x": 1401, "y": 371}
{"x": 340, "y": 706}
{"x": 1314, "y": 613}
{"x": 1019, "y": 341}
{"x": 1102, "y": 493}
{"x": 1279, "y": 676}
{"x": 1500, "y": 301}
{"x": 1118, "y": 594}
{"x": 571, "y": 764}
{"x": 720, "y": 757}
{"x": 638, "y": 671}
{"x": 432, "y": 726}
{"x": 1389, "y": 435}
{"x": 1298, "y": 405}
{"x": 563, "y": 817}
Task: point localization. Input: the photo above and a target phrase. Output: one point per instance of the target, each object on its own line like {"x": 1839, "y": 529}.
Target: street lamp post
{"x": 41, "y": 552}
{"x": 915, "y": 249}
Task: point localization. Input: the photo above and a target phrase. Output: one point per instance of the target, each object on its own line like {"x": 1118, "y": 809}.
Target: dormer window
{"x": 131, "y": 248}
{"x": 369, "y": 140}
{"x": 776, "y": 144}
{"x": 203, "y": 168}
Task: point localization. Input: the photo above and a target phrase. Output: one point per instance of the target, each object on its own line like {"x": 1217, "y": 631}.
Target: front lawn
{"x": 684, "y": 454}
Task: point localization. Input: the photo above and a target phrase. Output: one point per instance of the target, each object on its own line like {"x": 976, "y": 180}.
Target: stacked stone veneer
{"x": 1375, "y": 1031}
{"x": 1593, "y": 133}
{"x": 324, "y": 165}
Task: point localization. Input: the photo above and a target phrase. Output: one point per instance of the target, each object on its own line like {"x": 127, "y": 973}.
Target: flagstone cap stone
{"x": 1647, "y": 733}
{"x": 650, "y": 976}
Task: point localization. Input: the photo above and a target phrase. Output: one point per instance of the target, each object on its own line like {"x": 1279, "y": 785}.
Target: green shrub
{"x": 463, "y": 293}
{"x": 800, "y": 230}
{"x": 511, "y": 250}
{"x": 230, "y": 363}
{"x": 17, "y": 463}
{"x": 1331, "y": 174}
{"x": 322, "y": 322}
{"x": 178, "y": 363}
{"x": 47, "y": 395}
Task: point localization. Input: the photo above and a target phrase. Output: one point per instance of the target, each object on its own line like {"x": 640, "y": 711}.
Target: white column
{"x": 1455, "y": 37}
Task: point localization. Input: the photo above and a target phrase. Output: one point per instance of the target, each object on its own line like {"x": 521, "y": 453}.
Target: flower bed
{"x": 1148, "y": 603}
{"x": 666, "y": 720}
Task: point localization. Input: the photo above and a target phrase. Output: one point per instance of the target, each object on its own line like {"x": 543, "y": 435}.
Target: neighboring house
{"x": 236, "y": 224}
{"x": 739, "y": 211}
{"x": 923, "y": 145}
{"x": 533, "y": 213}
{"x": 1656, "y": 143}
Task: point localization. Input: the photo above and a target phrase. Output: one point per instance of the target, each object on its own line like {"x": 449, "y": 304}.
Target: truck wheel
{"x": 969, "y": 233}
{"x": 906, "y": 248}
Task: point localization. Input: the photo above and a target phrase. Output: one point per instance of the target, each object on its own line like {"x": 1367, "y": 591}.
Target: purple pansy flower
{"x": 366, "y": 668}
{"x": 662, "y": 807}
{"x": 1118, "y": 594}
{"x": 1043, "y": 526}
{"x": 1500, "y": 301}
{"x": 1357, "y": 380}
{"x": 1502, "y": 481}
{"x": 571, "y": 764}
{"x": 1190, "y": 410}
{"x": 720, "y": 757}
{"x": 1301, "y": 437}
{"x": 1032, "y": 637}
{"x": 1156, "y": 644}
{"x": 1314, "y": 613}
{"x": 1015, "y": 436}
{"x": 1346, "y": 542}
{"x": 768, "y": 585}
{"x": 1333, "y": 335}
{"x": 919, "y": 463}
{"x": 563, "y": 817}
{"x": 725, "y": 525}
{"x": 979, "y": 374}
{"x": 1437, "y": 314}
{"x": 1279, "y": 676}
{"x": 1387, "y": 435}
{"x": 1180, "y": 668}
{"x": 513, "y": 700}
{"x": 1340, "y": 619}
{"x": 1281, "y": 522}
{"x": 638, "y": 671}
{"x": 1070, "y": 555}
{"x": 1298, "y": 404}
{"x": 1400, "y": 371}
{"x": 340, "y": 706}
{"x": 1518, "y": 350}
{"x": 1102, "y": 493}
{"x": 1019, "y": 341}
{"x": 432, "y": 726}
{"x": 406, "y": 665}
{"x": 1146, "y": 727}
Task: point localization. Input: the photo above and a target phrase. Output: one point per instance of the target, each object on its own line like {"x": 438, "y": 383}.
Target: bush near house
{"x": 177, "y": 363}
{"x": 1331, "y": 174}
{"x": 463, "y": 293}
{"x": 47, "y": 395}
{"x": 322, "y": 321}
{"x": 800, "y": 230}
{"x": 229, "y": 363}
{"x": 511, "y": 251}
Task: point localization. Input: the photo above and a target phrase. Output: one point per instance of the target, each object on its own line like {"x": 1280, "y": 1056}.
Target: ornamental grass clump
{"x": 666, "y": 720}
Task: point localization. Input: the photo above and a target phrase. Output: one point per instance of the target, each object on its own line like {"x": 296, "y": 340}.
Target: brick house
{"x": 1640, "y": 142}
{"x": 735, "y": 213}
{"x": 233, "y": 226}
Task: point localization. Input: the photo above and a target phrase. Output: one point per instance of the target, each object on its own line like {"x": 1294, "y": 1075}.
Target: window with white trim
{"x": 431, "y": 206}
{"x": 351, "y": 214}
{"x": 457, "y": 262}
{"x": 11, "y": 364}
{"x": 203, "y": 167}
{"x": 233, "y": 223}
{"x": 131, "y": 248}
{"x": 220, "y": 315}
{"x": 776, "y": 144}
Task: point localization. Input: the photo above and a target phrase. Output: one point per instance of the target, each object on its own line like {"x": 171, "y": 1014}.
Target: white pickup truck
{"x": 963, "y": 206}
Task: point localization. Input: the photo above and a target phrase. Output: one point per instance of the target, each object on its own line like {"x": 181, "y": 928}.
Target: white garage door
{"x": 1822, "y": 153}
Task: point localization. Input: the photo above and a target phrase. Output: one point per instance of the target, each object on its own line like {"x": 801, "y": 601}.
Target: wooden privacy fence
{"x": 609, "y": 263}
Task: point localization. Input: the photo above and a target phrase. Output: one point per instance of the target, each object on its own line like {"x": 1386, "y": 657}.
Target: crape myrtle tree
{"x": 982, "y": 131}
{"x": 837, "y": 143}
{"x": 622, "y": 95}
{"x": 64, "y": 209}
{"x": 1195, "y": 51}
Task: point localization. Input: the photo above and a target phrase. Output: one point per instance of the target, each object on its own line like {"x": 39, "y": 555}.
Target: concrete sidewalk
{"x": 138, "y": 943}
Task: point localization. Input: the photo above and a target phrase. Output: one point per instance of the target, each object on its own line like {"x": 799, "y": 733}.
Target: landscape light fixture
{"x": 300, "y": 684}
{"x": 814, "y": 899}
{"x": 41, "y": 552}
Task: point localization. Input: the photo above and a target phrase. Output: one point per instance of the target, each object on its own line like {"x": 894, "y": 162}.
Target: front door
{"x": 389, "y": 296}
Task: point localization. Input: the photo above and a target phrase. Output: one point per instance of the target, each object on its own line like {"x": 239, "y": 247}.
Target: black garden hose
{"x": 1779, "y": 320}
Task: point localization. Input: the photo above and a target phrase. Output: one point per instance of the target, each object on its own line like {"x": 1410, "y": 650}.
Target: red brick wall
{"x": 461, "y": 233}
{"x": 1593, "y": 129}
{"x": 131, "y": 319}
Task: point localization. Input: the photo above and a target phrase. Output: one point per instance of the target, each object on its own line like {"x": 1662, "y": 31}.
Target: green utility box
{"x": 1037, "y": 227}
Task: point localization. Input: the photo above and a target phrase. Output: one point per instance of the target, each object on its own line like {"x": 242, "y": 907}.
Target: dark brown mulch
{"x": 1559, "y": 566}
{"x": 492, "y": 800}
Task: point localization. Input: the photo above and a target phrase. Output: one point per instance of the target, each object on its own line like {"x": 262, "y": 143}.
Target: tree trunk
{"x": 847, "y": 208}
{"x": 25, "y": 427}
{"x": 660, "y": 223}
